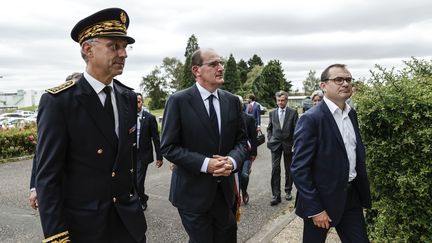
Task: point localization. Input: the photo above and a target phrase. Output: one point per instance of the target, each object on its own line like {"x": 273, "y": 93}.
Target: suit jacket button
{"x": 131, "y": 170}
{"x": 99, "y": 151}
{"x": 113, "y": 174}
{"x": 114, "y": 200}
{"x": 134, "y": 144}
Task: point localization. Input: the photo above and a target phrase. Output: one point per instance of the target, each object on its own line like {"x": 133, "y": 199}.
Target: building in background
{"x": 20, "y": 98}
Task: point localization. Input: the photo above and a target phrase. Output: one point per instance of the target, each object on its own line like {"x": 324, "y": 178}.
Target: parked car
{"x": 10, "y": 115}
{"x": 32, "y": 117}
{"x": 25, "y": 113}
{"x": 17, "y": 122}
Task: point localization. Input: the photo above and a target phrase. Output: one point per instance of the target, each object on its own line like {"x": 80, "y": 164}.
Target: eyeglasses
{"x": 340, "y": 80}
{"x": 215, "y": 63}
{"x": 115, "y": 46}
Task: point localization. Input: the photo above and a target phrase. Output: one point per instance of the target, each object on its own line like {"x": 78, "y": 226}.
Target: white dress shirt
{"x": 98, "y": 88}
{"x": 347, "y": 132}
{"x": 281, "y": 116}
{"x": 204, "y": 96}
{"x": 139, "y": 116}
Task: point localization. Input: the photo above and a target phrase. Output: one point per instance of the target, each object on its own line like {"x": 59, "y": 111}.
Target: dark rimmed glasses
{"x": 341, "y": 80}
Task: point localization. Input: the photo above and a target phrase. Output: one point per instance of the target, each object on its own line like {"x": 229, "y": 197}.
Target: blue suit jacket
{"x": 320, "y": 165}
{"x": 256, "y": 113}
{"x": 187, "y": 140}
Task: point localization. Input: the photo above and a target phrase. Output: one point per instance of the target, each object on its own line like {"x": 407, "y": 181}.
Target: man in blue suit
{"x": 253, "y": 109}
{"x": 204, "y": 136}
{"x": 147, "y": 140}
{"x": 328, "y": 165}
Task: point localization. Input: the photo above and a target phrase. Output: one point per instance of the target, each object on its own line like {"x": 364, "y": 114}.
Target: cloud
{"x": 37, "y": 51}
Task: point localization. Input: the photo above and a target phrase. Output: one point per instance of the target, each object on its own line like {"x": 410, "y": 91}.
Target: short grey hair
{"x": 89, "y": 41}
{"x": 315, "y": 93}
{"x": 281, "y": 93}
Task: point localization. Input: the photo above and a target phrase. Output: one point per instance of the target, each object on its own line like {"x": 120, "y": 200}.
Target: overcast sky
{"x": 36, "y": 51}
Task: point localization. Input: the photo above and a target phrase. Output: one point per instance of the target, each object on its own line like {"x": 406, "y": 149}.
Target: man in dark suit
{"x": 252, "y": 142}
{"x": 328, "y": 166}
{"x": 86, "y": 139}
{"x": 204, "y": 136}
{"x": 253, "y": 109}
{"x": 147, "y": 132}
{"x": 280, "y": 136}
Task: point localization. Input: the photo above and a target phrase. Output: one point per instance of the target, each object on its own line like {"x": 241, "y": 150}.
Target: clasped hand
{"x": 220, "y": 166}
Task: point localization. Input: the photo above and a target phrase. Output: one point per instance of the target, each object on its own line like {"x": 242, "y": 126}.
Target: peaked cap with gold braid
{"x": 110, "y": 22}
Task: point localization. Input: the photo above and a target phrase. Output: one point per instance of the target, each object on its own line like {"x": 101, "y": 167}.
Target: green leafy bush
{"x": 395, "y": 115}
{"x": 17, "y": 142}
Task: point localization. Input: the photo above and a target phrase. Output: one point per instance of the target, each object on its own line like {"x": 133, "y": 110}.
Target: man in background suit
{"x": 147, "y": 132}
{"x": 328, "y": 166}
{"x": 253, "y": 109}
{"x": 86, "y": 137}
{"x": 280, "y": 136}
{"x": 246, "y": 168}
{"x": 204, "y": 136}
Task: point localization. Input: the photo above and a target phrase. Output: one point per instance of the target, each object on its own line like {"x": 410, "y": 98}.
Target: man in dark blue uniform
{"x": 86, "y": 139}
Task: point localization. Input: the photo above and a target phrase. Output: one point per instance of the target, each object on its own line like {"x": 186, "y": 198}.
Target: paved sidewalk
{"x": 286, "y": 228}
{"x": 292, "y": 233}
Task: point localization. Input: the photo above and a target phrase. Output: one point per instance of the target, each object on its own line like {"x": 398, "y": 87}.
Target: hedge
{"x": 395, "y": 116}
{"x": 18, "y": 142}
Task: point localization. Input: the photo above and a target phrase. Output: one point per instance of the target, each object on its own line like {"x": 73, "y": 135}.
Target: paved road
{"x": 19, "y": 223}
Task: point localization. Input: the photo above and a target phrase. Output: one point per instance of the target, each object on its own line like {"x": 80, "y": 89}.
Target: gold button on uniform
{"x": 99, "y": 151}
{"x": 113, "y": 174}
{"x": 114, "y": 199}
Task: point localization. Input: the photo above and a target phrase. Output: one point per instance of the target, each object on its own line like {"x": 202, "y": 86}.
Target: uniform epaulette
{"x": 119, "y": 83}
{"x": 61, "y": 87}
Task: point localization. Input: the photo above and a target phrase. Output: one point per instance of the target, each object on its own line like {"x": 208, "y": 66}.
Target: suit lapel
{"x": 197, "y": 105}
{"x": 123, "y": 112}
{"x": 224, "y": 110}
{"x": 329, "y": 117}
{"x": 92, "y": 104}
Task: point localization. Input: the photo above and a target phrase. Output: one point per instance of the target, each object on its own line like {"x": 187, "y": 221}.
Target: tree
{"x": 172, "y": 71}
{"x": 231, "y": 76}
{"x": 153, "y": 86}
{"x": 255, "y": 61}
{"x": 311, "y": 83}
{"x": 252, "y": 84}
{"x": 242, "y": 69}
{"x": 187, "y": 78}
{"x": 272, "y": 79}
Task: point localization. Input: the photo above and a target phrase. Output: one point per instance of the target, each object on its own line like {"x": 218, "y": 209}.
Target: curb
{"x": 273, "y": 228}
{"x": 7, "y": 160}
